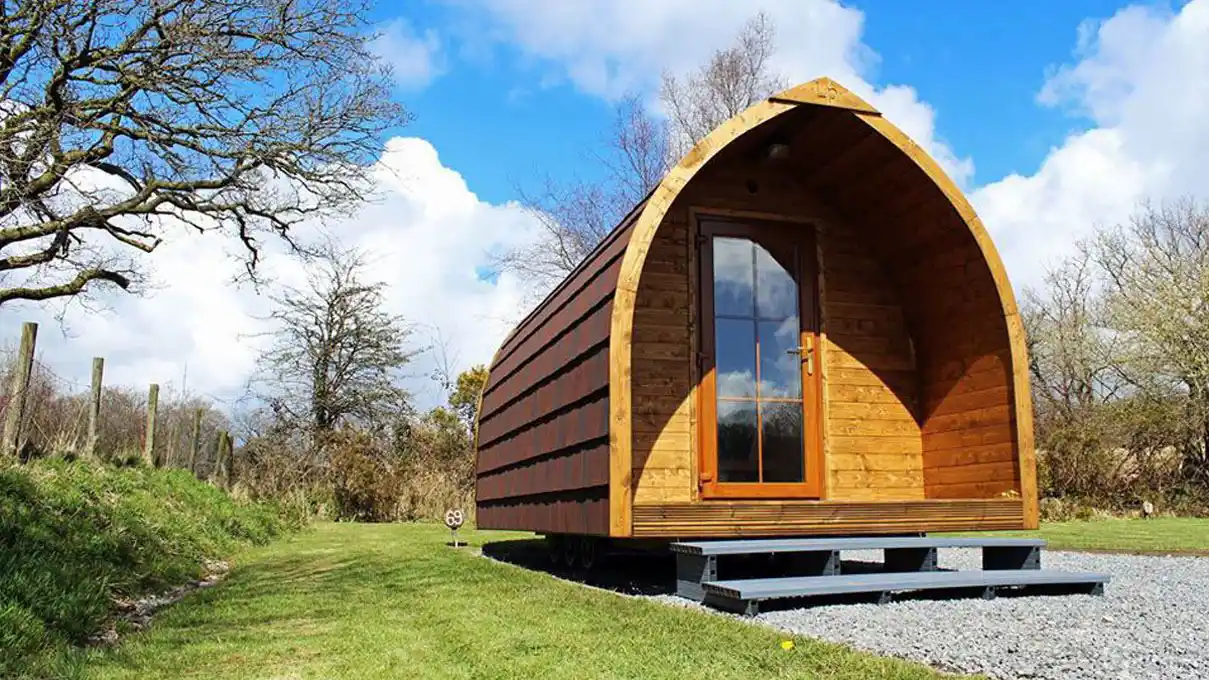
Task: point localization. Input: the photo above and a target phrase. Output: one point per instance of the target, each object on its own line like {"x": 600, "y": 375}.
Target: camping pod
{"x": 803, "y": 330}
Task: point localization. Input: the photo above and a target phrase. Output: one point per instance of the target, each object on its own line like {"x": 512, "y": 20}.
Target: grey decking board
{"x": 758, "y": 546}
{"x": 762, "y": 589}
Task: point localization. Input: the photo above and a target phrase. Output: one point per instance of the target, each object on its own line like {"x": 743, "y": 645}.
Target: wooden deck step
{"x": 761, "y": 546}
{"x": 744, "y": 595}
{"x": 701, "y": 561}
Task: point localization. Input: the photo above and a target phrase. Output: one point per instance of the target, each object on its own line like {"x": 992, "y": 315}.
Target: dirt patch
{"x": 134, "y": 615}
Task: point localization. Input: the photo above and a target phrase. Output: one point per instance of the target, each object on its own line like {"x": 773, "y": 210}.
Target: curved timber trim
{"x": 825, "y": 92}
{"x": 820, "y": 92}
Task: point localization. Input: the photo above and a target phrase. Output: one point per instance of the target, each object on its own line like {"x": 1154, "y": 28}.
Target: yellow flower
{"x": 787, "y": 645}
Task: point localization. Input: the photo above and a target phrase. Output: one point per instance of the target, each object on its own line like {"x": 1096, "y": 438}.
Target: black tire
{"x": 588, "y": 547}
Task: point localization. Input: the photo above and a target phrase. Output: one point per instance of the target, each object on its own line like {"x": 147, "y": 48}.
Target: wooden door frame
{"x": 805, "y": 237}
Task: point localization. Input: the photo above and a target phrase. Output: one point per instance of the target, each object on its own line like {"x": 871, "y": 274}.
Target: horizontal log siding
{"x": 819, "y": 518}
{"x": 953, "y": 314}
{"x": 542, "y": 435}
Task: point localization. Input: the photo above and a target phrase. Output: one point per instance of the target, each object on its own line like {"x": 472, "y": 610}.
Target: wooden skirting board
{"x": 804, "y": 518}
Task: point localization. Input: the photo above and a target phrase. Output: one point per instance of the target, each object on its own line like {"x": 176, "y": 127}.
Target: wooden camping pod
{"x": 649, "y": 395}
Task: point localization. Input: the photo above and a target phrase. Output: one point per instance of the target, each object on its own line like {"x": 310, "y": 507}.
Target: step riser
{"x": 1011, "y": 558}
{"x": 692, "y": 570}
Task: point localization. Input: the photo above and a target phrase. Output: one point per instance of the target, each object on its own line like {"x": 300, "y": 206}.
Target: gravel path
{"x": 1152, "y": 622}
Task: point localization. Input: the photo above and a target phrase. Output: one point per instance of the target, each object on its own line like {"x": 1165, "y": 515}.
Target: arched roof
{"x": 822, "y": 92}
{"x": 555, "y": 414}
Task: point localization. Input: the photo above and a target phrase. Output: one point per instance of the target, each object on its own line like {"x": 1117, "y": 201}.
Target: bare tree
{"x": 575, "y": 215}
{"x": 636, "y": 153}
{"x": 1156, "y": 274}
{"x": 336, "y": 353}
{"x": 121, "y": 120}
{"x": 1074, "y": 359}
{"x": 1119, "y": 345}
{"x": 1075, "y": 378}
{"x": 731, "y": 81}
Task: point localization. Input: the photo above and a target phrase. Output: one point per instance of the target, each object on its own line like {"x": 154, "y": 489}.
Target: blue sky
{"x": 979, "y": 64}
{"x": 1055, "y": 117}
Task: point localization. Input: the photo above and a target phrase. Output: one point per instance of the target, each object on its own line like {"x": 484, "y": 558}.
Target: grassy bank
{"x": 393, "y": 601}
{"x": 75, "y": 536}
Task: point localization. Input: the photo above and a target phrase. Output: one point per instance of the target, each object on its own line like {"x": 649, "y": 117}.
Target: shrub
{"x": 367, "y": 480}
{"x": 76, "y": 535}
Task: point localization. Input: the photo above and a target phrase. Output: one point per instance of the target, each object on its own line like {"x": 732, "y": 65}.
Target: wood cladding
{"x": 580, "y": 513}
{"x": 872, "y": 438}
{"x": 589, "y": 422}
{"x": 951, "y": 309}
{"x": 870, "y": 386}
{"x": 543, "y": 428}
{"x": 663, "y": 375}
{"x": 805, "y": 518}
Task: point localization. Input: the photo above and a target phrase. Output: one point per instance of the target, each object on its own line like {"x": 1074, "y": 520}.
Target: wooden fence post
{"x": 18, "y": 392}
{"x": 94, "y": 407}
{"x": 220, "y": 438}
{"x": 174, "y": 434}
{"x": 228, "y": 461}
{"x": 153, "y": 398}
{"x": 195, "y": 443}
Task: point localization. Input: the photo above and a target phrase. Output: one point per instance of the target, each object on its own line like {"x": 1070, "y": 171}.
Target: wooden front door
{"x": 759, "y": 399}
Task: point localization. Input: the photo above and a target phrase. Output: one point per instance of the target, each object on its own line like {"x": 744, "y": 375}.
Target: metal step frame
{"x": 727, "y": 574}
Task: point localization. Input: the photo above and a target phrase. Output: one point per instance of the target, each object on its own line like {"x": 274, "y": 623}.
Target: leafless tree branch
{"x": 119, "y": 118}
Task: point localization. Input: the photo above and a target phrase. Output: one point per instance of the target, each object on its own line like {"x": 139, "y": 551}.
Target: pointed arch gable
{"x": 823, "y": 92}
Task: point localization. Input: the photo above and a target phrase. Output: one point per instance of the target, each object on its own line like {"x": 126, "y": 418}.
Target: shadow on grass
{"x": 627, "y": 572}
{"x": 654, "y": 573}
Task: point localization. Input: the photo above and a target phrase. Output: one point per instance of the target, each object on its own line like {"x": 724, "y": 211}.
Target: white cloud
{"x": 610, "y": 47}
{"x": 425, "y": 238}
{"x": 1139, "y": 77}
{"x": 417, "y": 59}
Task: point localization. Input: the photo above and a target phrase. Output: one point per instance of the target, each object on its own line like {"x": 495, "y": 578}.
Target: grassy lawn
{"x": 382, "y": 601}
{"x": 1159, "y": 535}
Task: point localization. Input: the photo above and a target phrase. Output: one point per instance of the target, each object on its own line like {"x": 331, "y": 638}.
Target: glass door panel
{"x": 757, "y": 360}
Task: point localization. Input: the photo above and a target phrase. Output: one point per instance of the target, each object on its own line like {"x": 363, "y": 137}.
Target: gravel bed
{"x": 1152, "y": 622}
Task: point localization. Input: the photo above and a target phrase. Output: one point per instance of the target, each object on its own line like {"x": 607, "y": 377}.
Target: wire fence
{"x": 44, "y": 413}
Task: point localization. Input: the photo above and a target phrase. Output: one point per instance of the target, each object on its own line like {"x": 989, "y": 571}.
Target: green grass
{"x": 383, "y": 601}
{"x": 74, "y": 536}
{"x": 1158, "y": 535}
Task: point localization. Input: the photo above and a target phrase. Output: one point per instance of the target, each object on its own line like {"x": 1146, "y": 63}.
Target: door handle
{"x": 808, "y": 351}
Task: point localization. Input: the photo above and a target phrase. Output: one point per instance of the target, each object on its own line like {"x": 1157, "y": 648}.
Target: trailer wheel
{"x": 570, "y": 552}
{"x": 554, "y": 548}
{"x": 588, "y": 546}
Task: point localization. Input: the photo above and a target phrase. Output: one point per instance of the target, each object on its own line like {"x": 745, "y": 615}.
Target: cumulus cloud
{"x": 611, "y": 47}
{"x": 1138, "y": 77}
{"x": 416, "y": 59}
{"x": 427, "y": 237}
